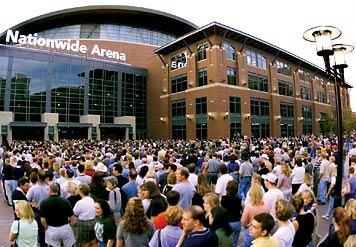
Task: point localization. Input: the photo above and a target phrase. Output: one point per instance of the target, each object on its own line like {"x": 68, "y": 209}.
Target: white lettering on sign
{"x": 67, "y": 44}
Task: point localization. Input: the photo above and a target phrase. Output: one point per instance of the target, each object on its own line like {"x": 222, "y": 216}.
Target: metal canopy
{"x": 75, "y": 125}
{"x": 112, "y": 125}
{"x": 28, "y": 124}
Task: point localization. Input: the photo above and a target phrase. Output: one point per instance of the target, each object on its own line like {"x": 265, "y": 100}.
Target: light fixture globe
{"x": 340, "y": 50}
{"x": 322, "y": 36}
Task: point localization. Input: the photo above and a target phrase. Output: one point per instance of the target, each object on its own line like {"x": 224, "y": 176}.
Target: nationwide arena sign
{"x": 67, "y": 45}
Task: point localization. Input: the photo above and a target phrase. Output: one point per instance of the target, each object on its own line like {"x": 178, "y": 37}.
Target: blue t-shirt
{"x": 130, "y": 189}
{"x": 186, "y": 191}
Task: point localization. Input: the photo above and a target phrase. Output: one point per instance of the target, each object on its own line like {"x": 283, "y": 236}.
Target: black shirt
{"x": 303, "y": 235}
{"x": 121, "y": 181}
{"x": 331, "y": 240}
{"x": 233, "y": 206}
{"x": 7, "y": 171}
{"x": 56, "y": 211}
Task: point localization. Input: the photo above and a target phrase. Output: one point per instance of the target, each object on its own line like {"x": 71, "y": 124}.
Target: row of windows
{"x": 109, "y": 32}
{"x": 258, "y": 130}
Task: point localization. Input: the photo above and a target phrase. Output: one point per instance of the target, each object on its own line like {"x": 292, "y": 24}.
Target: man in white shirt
{"x": 271, "y": 196}
{"x": 222, "y": 181}
{"x": 193, "y": 178}
{"x": 324, "y": 176}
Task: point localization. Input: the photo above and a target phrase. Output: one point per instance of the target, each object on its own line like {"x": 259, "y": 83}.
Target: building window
{"x": 307, "y": 128}
{"x": 287, "y": 110}
{"x": 230, "y": 50}
{"x": 257, "y": 82}
{"x": 201, "y": 131}
{"x": 179, "y": 83}
{"x": 305, "y": 93}
{"x": 231, "y": 76}
{"x": 202, "y": 51}
{"x": 307, "y": 112}
{"x": 201, "y": 106}
{"x": 235, "y": 105}
{"x": 259, "y": 107}
{"x": 179, "y": 61}
{"x": 178, "y": 108}
{"x": 304, "y": 76}
{"x": 179, "y": 131}
{"x": 321, "y": 97}
{"x": 287, "y": 130}
{"x": 285, "y": 88}
{"x": 178, "y": 119}
{"x": 235, "y": 130}
{"x": 260, "y": 130}
{"x": 202, "y": 77}
{"x": 283, "y": 68}
{"x": 256, "y": 59}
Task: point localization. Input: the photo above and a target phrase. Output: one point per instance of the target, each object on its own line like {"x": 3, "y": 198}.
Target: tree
{"x": 348, "y": 122}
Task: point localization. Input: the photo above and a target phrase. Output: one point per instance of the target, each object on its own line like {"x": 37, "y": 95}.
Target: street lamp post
{"x": 323, "y": 37}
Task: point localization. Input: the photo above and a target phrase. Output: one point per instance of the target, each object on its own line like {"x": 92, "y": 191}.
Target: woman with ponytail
{"x": 342, "y": 229}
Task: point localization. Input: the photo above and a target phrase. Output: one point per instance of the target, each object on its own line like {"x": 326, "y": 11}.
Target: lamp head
{"x": 322, "y": 36}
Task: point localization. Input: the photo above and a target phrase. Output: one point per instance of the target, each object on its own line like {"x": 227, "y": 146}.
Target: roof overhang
{"x": 106, "y": 14}
{"x": 74, "y": 125}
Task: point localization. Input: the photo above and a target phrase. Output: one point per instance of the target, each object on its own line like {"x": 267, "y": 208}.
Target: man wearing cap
{"x": 100, "y": 167}
{"x": 265, "y": 159}
{"x": 271, "y": 196}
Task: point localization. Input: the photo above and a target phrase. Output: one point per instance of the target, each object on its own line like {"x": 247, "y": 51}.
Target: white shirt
{"x": 303, "y": 187}
{"x": 84, "y": 208}
{"x": 193, "y": 179}
{"x": 298, "y": 175}
{"x": 285, "y": 235}
{"x": 270, "y": 198}
{"x": 220, "y": 187}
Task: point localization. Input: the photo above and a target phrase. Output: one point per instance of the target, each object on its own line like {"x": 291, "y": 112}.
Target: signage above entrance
{"x": 66, "y": 44}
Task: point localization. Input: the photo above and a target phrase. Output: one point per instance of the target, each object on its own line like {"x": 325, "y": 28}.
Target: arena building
{"x": 127, "y": 72}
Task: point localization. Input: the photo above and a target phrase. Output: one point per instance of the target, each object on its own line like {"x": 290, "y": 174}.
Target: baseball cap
{"x": 270, "y": 177}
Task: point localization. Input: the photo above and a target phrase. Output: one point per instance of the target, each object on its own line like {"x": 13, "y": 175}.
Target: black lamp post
{"x": 323, "y": 37}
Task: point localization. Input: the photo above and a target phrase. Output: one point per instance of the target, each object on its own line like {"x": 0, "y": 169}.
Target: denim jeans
{"x": 9, "y": 188}
{"x": 330, "y": 207}
{"x": 322, "y": 190}
{"x": 236, "y": 228}
{"x": 248, "y": 238}
{"x": 244, "y": 186}
{"x": 102, "y": 244}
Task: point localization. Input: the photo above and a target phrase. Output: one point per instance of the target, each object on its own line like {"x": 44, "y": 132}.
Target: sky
{"x": 278, "y": 22}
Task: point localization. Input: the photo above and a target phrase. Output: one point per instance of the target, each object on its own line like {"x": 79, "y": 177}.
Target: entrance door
{"x": 26, "y": 133}
{"x": 112, "y": 133}
{"x": 73, "y": 133}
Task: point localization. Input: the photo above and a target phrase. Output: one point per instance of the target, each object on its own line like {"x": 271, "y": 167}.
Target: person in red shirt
{"x": 160, "y": 221}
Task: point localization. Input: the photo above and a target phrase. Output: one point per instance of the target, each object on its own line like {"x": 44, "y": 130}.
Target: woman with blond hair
{"x": 285, "y": 181}
{"x": 306, "y": 185}
{"x": 257, "y": 206}
{"x": 211, "y": 200}
{"x": 169, "y": 235}
{"x": 25, "y": 230}
{"x": 135, "y": 229}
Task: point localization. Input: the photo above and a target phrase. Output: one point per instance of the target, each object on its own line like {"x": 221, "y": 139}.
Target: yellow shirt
{"x": 265, "y": 241}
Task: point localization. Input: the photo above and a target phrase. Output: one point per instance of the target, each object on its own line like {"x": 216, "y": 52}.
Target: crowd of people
{"x": 243, "y": 192}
